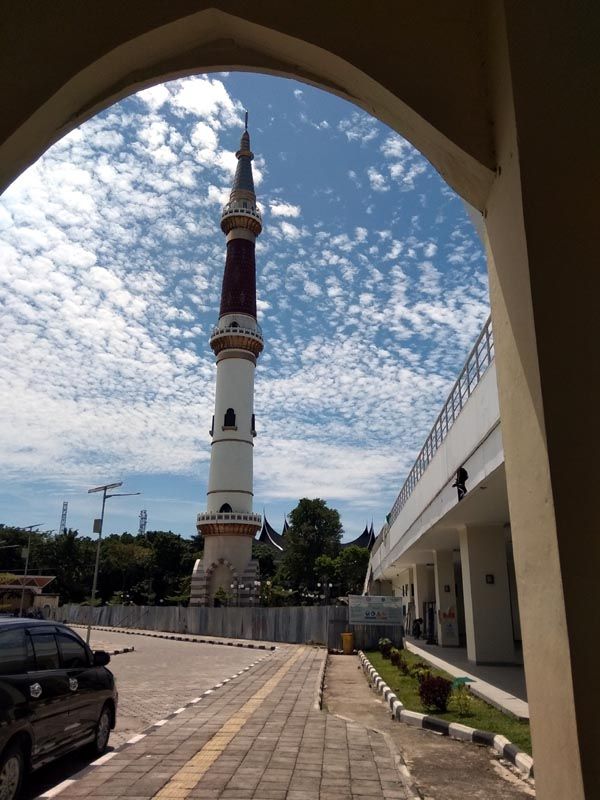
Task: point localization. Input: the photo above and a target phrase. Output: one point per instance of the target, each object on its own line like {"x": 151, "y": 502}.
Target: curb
{"x": 176, "y": 637}
{"x": 110, "y": 754}
{"x": 521, "y": 760}
{"x": 119, "y": 652}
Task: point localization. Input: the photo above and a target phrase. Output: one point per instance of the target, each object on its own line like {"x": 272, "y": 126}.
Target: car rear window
{"x": 13, "y": 652}
{"x": 46, "y": 651}
{"x": 73, "y": 652}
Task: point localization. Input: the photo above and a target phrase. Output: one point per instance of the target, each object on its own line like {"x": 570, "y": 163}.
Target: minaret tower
{"x": 229, "y": 524}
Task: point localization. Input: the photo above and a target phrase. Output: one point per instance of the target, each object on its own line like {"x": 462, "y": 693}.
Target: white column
{"x": 445, "y": 596}
{"x": 486, "y": 591}
{"x": 421, "y": 581}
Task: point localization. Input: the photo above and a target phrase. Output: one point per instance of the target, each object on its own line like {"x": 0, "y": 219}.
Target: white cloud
{"x": 359, "y": 127}
{"x": 377, "y": 180}
{"x": 281, "y": 209}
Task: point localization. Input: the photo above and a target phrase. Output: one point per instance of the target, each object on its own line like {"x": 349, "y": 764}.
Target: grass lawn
{"x": 482, "y": 716}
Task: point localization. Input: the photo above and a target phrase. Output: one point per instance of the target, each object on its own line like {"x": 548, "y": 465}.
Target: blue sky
{"x": 372, "y": 288}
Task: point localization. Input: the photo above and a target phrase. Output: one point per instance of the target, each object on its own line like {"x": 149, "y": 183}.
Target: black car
{"x": 55, "y": 695}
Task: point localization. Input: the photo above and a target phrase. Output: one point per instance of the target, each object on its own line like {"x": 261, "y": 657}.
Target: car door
{"x": 49, "y": 694}
{"x": 14, "y": 684}
{"x": 87, "y": 695}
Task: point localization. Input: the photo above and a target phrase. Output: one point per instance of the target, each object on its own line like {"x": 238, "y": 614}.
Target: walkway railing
{"x": 478, "y": 361}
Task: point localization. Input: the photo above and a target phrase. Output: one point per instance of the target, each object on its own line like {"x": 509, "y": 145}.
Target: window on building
{"x": 225, "y": 509}
{"x": 229, "y": 421}
{"x": 212, "y": 426}
{"x": 253, "y": 428}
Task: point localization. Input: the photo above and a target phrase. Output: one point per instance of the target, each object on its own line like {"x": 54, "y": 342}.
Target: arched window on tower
{"x": 225, "y": 509}
{"x": 229, "y": 421}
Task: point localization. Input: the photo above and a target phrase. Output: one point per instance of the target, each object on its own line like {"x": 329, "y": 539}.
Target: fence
{"x": 292, "y": 624}
{"x": 479, "y": 359}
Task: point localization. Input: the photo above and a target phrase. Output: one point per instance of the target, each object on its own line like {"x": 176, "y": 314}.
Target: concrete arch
{"x": 221, "y": 562}
{"x": 108, "y": 63}
{"x": 502, "y": 100}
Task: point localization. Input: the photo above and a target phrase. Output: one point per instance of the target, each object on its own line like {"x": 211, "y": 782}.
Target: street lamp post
{"x": 30, "y": 529}
{"x": 98, "y": 523}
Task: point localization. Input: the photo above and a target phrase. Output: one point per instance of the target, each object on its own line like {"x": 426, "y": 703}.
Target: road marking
{"x": 182, "y": 783}
{"x": 137, "y": 738}
{"x": 160, "y": 722}
{"x": 179, "y": 711}
{"x": 103, "y": 759}
{"x": 195, "y": 700}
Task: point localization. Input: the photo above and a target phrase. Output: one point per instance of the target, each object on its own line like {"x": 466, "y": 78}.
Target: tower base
{"x": 219, "y": 583}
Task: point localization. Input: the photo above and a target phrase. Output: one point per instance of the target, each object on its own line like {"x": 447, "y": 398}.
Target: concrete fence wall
{"x": 293, "y": 624}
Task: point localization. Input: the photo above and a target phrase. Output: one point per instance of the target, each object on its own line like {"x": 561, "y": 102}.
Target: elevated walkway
{"x": 502, "y": 686}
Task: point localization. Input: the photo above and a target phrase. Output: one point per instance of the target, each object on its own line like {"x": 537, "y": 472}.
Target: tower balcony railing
{"x": 230, "y": 516}
{"x": 237, "y": 208}
{"x": 219, "y": 330}
{"x": 478, "y": 361}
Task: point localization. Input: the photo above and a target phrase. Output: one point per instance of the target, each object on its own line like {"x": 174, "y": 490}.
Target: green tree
{"x": 351, "y": 566}
{"x": 315, "y": 530}
{"x": 266, "y": 559}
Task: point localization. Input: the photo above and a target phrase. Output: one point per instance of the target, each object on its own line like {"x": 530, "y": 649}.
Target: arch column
{"x": 544, "y": 289}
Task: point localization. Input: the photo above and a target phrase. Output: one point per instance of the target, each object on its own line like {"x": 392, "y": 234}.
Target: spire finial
{"x": 246, "y": 122}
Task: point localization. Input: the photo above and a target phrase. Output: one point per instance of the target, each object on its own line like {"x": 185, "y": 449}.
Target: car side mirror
{"x": 101, "y": 658}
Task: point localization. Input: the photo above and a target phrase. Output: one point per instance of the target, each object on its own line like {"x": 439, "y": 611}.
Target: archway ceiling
{"x": 63, "y": 63}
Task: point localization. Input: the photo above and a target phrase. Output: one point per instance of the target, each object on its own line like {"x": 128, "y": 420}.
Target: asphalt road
{"x": 157, "y": 678}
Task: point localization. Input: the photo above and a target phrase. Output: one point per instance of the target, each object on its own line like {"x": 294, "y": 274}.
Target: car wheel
{"x": 12, "y": 767}
{"x": 102, "y": 732}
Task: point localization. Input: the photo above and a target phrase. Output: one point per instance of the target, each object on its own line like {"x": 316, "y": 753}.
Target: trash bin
{"x": 347, "y": 643}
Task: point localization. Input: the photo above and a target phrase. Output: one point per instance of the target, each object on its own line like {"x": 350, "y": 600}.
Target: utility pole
{"x": 27, "y": 551}
{"x": 143, "y": 522}
{"x": 98, "y": 523}
{"x": 63, "y": 518}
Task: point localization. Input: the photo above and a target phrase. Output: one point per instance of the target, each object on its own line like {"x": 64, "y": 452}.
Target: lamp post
{"x": 98, "y": 523}
{"x": 30, "y": 529}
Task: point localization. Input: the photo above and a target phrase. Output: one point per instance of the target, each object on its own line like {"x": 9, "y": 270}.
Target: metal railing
{"x": 229, "y": 516}
{"x": 228, "y": 329}
{"x": 477, "y": 363}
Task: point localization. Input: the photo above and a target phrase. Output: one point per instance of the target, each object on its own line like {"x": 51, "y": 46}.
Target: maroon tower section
{"x": 238, "y": 295}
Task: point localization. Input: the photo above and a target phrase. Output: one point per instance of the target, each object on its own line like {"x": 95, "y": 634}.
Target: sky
{"x": 372, "y": 288}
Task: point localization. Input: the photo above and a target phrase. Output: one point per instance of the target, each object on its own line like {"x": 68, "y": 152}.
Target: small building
{"x": 31, "y": 588}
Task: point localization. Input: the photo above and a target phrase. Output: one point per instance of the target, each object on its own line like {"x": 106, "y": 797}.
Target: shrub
{"x": 395, "y": 656}
{"x": 462, "y": 700}
{"x": 435, "y": 692}
{"x": 385, "y": 647}
{"x": 403, "y": 665}
{"x": 419, "y": 670}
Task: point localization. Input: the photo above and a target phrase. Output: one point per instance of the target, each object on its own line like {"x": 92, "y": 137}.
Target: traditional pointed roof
{"x": 269, "y": 536}
{"x": 286, "y": 527}
{"x": 366, "y": 539}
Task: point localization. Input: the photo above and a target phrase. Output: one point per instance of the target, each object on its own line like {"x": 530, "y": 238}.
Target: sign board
{"x": 374, "y": 610}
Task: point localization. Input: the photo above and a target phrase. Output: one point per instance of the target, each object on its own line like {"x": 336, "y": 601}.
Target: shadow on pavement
{"x": 44, "y": 779}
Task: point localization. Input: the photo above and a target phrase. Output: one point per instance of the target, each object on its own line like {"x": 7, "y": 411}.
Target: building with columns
{"x": 446, "y": 550}
{"x": 229, "y": 524}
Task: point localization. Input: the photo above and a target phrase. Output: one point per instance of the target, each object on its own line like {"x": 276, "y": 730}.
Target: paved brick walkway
{"x": 257, "y": 737}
